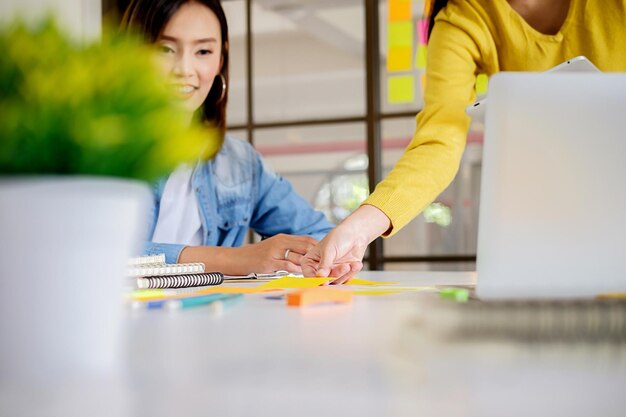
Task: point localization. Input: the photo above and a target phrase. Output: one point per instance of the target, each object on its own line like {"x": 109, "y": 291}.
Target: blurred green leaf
{"x": 94, "y": 109}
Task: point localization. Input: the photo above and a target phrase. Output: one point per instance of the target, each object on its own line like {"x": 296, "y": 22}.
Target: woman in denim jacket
{"x": 202, "y": 213}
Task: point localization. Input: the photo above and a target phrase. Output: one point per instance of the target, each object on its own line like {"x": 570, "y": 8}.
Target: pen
{"x": 222, "y": 305}
{"x": 183, "y": 303}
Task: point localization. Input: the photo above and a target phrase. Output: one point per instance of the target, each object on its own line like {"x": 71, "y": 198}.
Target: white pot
{"x": 64, "y": 245}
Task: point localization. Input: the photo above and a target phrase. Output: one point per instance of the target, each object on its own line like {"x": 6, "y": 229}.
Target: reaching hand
{"x": 340, "y": 253}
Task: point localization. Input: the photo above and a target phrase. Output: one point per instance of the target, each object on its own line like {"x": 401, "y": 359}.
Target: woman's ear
{"x": 224, "y": 52}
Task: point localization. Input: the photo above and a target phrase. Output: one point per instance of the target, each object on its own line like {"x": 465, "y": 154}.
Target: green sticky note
{"x": 482, "y": 81}
{"x": 456, "y": 294}
{"x": 400, "y": 34}
{"x": 400, "y": 89}
{"x": 420, "y": 57}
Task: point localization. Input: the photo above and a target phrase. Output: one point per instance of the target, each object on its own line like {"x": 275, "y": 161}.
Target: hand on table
{"x": 277, "y": 253}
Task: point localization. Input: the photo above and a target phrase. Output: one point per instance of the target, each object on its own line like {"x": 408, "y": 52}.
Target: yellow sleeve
{"x": 432, "y": 158}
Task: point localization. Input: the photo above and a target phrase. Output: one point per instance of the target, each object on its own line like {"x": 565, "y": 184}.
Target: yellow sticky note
{"x": 400, "y": 89}
{"x": 400, "y": 34}
{"x": 482, "y": 82}
{"x": 613, "y": 295}
{"x": 398, "y": 59}
{"x": 399, "y": 9}
{"x": 294, "y": 282}
{"x": 359, "y": 281}
{"x": 420, "y": 57}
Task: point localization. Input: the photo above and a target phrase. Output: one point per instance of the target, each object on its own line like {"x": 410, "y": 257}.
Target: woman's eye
{"x": 165, "y": 49}
{"x": 204, "y": 52}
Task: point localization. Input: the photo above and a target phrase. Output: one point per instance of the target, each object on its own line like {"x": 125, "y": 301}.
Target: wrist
{"x": 367, "y": 222}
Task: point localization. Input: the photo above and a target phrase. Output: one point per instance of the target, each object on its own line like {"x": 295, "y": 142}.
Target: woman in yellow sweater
{"x": 470, "y": 37}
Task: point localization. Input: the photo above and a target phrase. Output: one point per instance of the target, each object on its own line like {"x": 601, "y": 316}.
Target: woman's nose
{"x": 182, "y": 66}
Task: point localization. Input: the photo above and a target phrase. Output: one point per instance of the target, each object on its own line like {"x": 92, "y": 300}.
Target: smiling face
{"x": 190, "y": 53}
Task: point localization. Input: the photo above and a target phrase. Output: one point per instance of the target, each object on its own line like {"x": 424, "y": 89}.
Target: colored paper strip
{"x": 423, "y": 83}
{"x": 294, "y": 282}
{"x": 165, "y": 294}
{"x": 399, "y": 10}
{"x": 359, "y": 281}
{"x": 375, "y": 292}
{"x": 422, "y": 31}
{"x": 400, "y": 89}
{"x": 399, "y": 59}
{"x": 400, "y": 34}
{"x": 482, "y": 82}
{"x": 420, "y": 57}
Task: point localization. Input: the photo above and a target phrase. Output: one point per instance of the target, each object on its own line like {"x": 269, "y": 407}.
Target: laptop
{"x": 552, "y": 220}
{"x": 577, "y": 64}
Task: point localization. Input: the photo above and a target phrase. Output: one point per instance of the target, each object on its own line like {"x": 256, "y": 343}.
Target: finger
{"x": 346, "y": 271}
{"x": 299, "y": 246}
{"x": 295, "y": 258}
{"x": 326, "y": 261}
{"x": 338, "y": 272}
{"x": 309, "y": 263}
{"x": 289, "y": 267}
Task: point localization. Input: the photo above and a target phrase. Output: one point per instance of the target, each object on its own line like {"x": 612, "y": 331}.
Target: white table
{"x": 263, "y": 358}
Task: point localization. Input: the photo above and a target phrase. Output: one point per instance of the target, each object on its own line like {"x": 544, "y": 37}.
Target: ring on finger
{"x": 286, "y": 256}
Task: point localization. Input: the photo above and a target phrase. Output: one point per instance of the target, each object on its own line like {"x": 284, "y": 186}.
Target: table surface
{"x": 367, "y": 358}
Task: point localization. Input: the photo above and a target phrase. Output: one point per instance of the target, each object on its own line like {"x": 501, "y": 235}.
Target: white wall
{"x": 83, "y": 18}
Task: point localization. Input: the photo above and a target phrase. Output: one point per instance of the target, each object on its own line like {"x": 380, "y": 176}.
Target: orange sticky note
{"x": 399, "y": 9}
{"x": 400, "y": 34}
{"x": 398, "y": 59}
{"x": 295, "y": 282}
{"x": 400, "y": 89}
{"x": 320, "y": 295}
{"x": 423, "y": 83}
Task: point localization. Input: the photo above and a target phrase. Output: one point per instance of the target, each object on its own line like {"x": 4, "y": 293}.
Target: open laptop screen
{"x": 552, "y": 219}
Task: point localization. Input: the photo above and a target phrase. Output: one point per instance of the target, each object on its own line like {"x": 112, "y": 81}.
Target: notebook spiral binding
{"x": 180, "y": 281}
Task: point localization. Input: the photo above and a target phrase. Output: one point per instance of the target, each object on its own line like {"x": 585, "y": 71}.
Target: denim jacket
{"x": 236, "y": 191}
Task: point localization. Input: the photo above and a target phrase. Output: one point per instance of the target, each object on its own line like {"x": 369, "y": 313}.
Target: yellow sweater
{"x": 485, "y": 36}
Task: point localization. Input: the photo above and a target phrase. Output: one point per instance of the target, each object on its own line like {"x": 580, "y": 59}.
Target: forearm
{"x": 367, "y": 222}
{"x": 214, "y": 258}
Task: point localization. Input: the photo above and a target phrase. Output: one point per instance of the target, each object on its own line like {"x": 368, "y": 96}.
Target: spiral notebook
{"x": 181, "y": 281}
{"x": 152, "y": 272}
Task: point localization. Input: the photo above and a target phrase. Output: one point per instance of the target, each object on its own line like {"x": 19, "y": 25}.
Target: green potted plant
{"x": 81, "y": 126}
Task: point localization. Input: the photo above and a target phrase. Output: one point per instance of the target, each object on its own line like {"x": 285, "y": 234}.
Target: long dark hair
{"x": 149, "y": 18}
{"x": 436, "y": 7}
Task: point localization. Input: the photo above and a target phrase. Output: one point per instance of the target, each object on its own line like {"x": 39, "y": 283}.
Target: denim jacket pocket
{"x": 234, "y": 215}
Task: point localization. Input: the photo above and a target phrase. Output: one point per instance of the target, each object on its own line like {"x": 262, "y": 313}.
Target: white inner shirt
{"x": 179, "y": 217}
